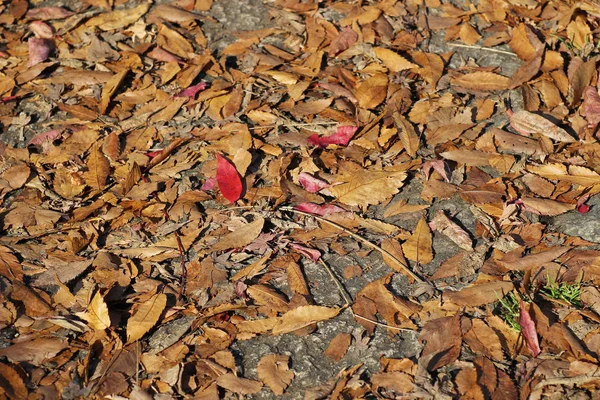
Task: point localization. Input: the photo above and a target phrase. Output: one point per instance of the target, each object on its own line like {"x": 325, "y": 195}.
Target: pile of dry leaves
{"x": 162, "y": 196}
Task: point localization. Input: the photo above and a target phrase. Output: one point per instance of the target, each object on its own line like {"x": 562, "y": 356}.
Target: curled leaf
{"x": 528, "y": 329}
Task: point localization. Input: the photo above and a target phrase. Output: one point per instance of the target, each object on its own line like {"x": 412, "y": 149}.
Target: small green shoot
{"x": 568, "y": 292}
{"x": 509, "y": 310}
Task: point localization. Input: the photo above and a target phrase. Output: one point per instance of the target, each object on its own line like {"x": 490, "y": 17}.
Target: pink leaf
{"x": 41, "y": 29}
{"x": 440, "y": 166}
{"x": 209, "y": 184}
{"x": 228, "y": 179}
{"x": 591, "y": 106}
{"x": 313, "y": 254}
{"x": 47, "y": 13}
{"x": 240, "y": 289}
{"x": 342, "y": 137}
{"x": 48, "y": 136}
{"x": 528, "y": 330}
{"x": 39, "y": 50}
{"x": 160, "y": 54}
{"x": 192, "y": 91}
{"x": 312, "y": 184}
{"x": 318, "y": 209}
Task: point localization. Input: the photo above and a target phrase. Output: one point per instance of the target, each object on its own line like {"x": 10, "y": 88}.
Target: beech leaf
{"x": 303, "y": 316}
{"x": 274, "y": 371}
{"x": 419, "y": 247}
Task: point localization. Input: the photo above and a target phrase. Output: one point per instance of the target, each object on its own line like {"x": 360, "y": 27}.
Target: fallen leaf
{"x": 419, "y": 247}
{"x": 145, "y": 317}
{"x": 479, "y": 294}
{"x": 341, "y": 137}
{"x": 443, "y": 339}
{"x": 322, "y": 210}
{"x": 311, "y": 183}
{"x": 527, "y": 123}
{"x": 273, "y": 371}
{"x": 98, "y": 169}
{"x": 338, "y": 347}
{"x": 97, "y": 313}
{"x": 346, "y": 38}
{"x": 39, "y": 50}
{"x": 528, "y": 329}
{"x": 303, "y": 316}
{"x": 372, "y": 92}
{"x": 230, "y": 183}
{"x": 240, "y": 237}
{"x": 368, "y": 187}
{"x": 392, "y": 60}
{"x": 238, "y": 385}
{"x": 452, "y": 231}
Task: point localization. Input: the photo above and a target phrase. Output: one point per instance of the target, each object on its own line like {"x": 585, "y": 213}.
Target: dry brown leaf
{"x": 479, "y": 294}
{"x": 393, "y": 247}
{"x": 481, "y": 80}
{"x": 338, "y": 347}
{"x": 408, "y": 135}
{"x": 443, "y": 341}
{"x": 119, "y": 18}
{"x": 98, "y": 169}
{"x": 368, "y": 187}
{"x": 274, "y": 371}
{"x": 145, "y": 317}
{"x": 240, "y": 237}
{"x": 452, "y": 231}
{"x": 110, "y": 88}
{"x": 546, "y": 206}
{"x": 392, "y": 60}
{"x": 238, "y": 385}
{"x": 419, "y": 247}
{"x": 528, "y": 123}
{"x": 303, "y": 316}
{"x": 265, "y": 295}
{"x": 372, "y": 92}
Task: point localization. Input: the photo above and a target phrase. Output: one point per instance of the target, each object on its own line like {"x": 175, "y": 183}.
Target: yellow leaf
{"x": 145, "y": 317}
{"x": 97, "y": 313}
{"x": 392, "y": 60}
{"x": 419, "y": 246}
{"x": 368, "y": 187}
{"x": 372, "y": 92}
{"x": 301, "y": 317}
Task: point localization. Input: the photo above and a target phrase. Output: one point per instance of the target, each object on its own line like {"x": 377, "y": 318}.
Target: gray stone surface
{"x": 574, "y": 223}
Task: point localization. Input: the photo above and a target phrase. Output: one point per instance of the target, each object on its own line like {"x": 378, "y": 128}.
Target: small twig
{"x": 347, "y": 300}
{"x": 360, "y": 238}
{"x": 466, "y": 46}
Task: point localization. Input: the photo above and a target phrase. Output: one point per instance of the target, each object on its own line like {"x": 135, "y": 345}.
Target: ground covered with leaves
{"x": 318, "y": 199}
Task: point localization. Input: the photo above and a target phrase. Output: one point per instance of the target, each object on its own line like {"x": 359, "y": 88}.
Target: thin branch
{"x": 384, "y": 252}
{"x": 348, "y": 301}
{"x": 466, "y": 46}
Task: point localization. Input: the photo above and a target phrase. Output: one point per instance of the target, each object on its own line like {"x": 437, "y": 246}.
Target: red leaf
{"x": 228, "y": 179}
{"x": 528, "y": 330}
{"x": 318, "y": 209}
{"x": 192, "y": 91}
{"x": 583, "y": 208}
{"x": 312, "y": 184}
{"x": 313, "y": 254}
{"x": 342, "y": 136}
{"x": 591, "y": 105}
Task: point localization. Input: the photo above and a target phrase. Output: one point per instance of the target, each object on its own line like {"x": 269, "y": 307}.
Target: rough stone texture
{"x": 574, "y": 223}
